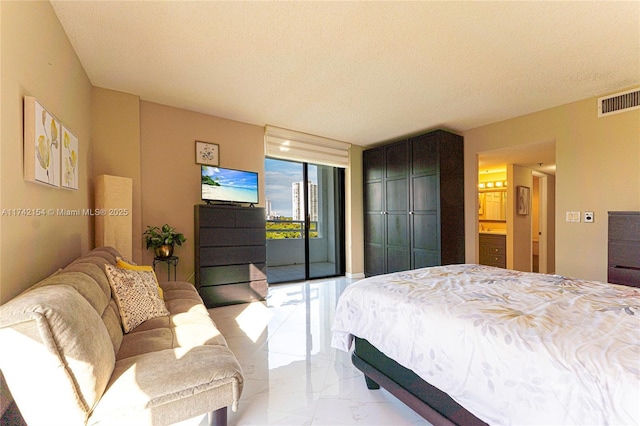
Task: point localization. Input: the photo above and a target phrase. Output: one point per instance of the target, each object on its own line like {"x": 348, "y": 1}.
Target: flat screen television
{"x": 228, "y": 185}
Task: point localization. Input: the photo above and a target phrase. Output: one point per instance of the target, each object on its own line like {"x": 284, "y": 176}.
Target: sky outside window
{"x": 279, "y": 175}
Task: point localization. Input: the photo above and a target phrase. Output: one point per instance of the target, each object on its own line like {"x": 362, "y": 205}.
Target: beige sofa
{"x": 67, "y": 361}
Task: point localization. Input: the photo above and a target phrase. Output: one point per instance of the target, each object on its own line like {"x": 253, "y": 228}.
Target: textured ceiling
{"x": 360, "y": 72}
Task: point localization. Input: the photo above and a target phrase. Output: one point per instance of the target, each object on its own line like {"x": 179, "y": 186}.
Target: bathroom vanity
{"x": 493, "y": 249}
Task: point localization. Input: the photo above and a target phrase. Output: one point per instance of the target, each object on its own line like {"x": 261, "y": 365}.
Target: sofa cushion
{"x": 182, "y": 297}
{"x": 142, "y": 385}
{"x": 88, "y": 277}
{"x": 111, "y": 319}
{"x": 188, "y": 325}
{"x": 136, "y": 295}
{"x": 84, "y": 283}
{"x": 57, "y": 356}
{"x": 92, "y": 264}
{"x": 142, "y": 342}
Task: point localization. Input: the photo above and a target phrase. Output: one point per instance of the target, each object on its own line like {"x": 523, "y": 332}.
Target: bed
{"x": 472, "y": 344}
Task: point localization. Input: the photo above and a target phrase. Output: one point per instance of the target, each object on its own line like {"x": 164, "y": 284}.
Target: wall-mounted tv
{"x": 228, "y": 185}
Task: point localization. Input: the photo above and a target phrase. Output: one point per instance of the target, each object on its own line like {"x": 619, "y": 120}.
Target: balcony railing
{"x": 289, "y": 229}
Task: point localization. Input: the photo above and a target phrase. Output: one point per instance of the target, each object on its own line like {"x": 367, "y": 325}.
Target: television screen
{"x": 227, "y": 185}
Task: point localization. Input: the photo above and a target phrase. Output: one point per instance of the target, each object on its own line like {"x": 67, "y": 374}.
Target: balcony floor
{"x": 288, "y": 273}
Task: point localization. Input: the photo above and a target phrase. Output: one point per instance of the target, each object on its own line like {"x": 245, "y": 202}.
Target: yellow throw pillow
{"x": 136, "y": 296}
{"x": 120, "y": 263}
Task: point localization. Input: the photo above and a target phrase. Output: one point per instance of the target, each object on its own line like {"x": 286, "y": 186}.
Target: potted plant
{"x": 163, "y": 239}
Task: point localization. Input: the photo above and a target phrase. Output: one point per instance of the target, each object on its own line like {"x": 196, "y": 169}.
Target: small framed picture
{"x": 523, "y": 200}
{"x": 69, "y": 160}
{"x": 207, "y": 153}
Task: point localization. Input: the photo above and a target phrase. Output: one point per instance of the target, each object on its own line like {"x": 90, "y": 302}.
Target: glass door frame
{"x": 337, "y": 206}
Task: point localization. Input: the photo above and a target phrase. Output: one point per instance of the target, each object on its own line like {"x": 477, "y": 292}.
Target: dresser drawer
{"x": 227, "y": 274}
{"x": 214, "y": 256}
{"x": 624, "y": 253}
{"x": 624, "y": 276}
{"x": 624, "y": 226}
{"x": 228, "y": 294}
{"x": 498, "y": 260}
{"x": 624, "y": 248}
{"x": 226, "y": 237}
{"x": 493, "y": 250}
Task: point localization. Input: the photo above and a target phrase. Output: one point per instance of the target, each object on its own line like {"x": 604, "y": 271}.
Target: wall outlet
{"x": 573, "y": 217}
{"x": 588, "y": 217}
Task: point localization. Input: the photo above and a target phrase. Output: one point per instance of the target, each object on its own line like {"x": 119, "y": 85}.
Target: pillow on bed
{"x": 136, "y": 295}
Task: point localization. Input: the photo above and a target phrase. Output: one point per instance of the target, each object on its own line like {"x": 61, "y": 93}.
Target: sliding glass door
{"x": 305, "y": 221}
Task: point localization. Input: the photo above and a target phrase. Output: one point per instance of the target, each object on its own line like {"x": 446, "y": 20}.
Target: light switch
{"x": 573, "y": 217}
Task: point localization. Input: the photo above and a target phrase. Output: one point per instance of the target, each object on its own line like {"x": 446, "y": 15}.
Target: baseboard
{"x": 357, "y": 276}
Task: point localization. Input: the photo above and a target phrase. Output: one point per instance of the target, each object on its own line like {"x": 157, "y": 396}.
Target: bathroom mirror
{"x": 492, "y": 205}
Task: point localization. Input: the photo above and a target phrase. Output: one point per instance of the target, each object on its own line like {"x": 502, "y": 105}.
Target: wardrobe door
{"x": 425, "y": 229}
{"x": 451, "y": 197}
{"x": 374, "y": 252}
{"x": 396, "y": 211}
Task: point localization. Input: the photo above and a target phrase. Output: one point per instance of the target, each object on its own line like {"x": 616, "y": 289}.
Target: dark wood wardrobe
{"x": 414, "y": 203}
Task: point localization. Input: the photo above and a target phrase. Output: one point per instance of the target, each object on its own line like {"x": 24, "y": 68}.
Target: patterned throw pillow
{"x": 136, "y": 296}
{"x": 126, "y": 264}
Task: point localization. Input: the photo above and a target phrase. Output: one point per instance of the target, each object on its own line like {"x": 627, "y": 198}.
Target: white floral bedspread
{"x": 511, "y": 347}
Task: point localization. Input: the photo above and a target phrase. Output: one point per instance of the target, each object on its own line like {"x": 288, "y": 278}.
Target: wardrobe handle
{"x": 410, "y": 212}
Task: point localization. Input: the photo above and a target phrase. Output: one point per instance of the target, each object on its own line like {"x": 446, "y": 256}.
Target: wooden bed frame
{"x": 428, "y": 401}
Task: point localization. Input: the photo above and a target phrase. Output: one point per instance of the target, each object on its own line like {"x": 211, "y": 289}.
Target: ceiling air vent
{"x": 619, "y": 102}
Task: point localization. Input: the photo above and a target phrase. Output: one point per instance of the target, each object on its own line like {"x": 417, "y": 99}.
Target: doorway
{"x": 543, "y": 223}
{"x": 305, "y": 221}
{"x": 539, "y": 160}
{"x": 536, "y": 228}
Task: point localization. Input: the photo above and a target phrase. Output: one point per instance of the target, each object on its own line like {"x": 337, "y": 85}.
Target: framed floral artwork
{"x": 42, "y": 134}
{"x": 69, "y": 160}
{"x": 207, "y": 153}
{"x": 524, "y": 195}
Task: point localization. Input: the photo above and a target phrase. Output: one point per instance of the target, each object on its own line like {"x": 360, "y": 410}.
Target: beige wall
{"x": 598, "y": 164}
{"x": 519, "y": 236}
{"x": 38, "y": 60}
{"x": 354, "y": 215}
{"x": 116, "y": 147}
{"x": 170, "y": 176}
{"x": 3, "y": 401}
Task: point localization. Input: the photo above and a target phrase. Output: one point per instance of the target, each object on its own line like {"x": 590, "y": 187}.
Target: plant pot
{"x": 165, "y": 250}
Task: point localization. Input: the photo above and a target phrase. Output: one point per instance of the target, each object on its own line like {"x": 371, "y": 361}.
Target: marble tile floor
{"x": 292, "y": 375}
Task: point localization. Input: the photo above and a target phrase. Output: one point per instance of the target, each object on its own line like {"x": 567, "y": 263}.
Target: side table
{"x": 171, "y": 260}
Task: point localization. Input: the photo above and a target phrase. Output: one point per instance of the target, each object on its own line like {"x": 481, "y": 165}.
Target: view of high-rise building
{"x": 297, "y": 201}
{"x": 270, "y": 214}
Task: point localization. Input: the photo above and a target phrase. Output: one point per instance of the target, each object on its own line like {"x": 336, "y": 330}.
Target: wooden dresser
{"x": 230, "y": 254}
{"x": 624, "y": 248}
